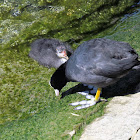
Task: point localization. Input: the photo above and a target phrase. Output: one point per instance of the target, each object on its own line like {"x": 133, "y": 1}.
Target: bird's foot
{"x": 86, "y": 94}
{"x": 93, "y": 100}
{"x": 84, "y": 104}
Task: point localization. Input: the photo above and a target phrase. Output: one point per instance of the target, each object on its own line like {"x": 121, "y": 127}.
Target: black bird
{"x": 98, "y": 62}
{"x": 50, "y": 52}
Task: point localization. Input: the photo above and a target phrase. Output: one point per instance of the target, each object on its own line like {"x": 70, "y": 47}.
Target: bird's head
{"x": 61, "y": 52}
{"x": 58, "y": 79}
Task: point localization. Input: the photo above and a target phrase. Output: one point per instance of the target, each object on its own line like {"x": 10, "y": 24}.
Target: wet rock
{"x": 64, "y": 20}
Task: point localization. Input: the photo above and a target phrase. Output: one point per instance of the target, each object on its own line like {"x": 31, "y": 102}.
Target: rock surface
{"x": 120, "y": 122}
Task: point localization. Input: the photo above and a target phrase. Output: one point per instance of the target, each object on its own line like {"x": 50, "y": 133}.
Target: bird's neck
{"x": 58, "y": 79}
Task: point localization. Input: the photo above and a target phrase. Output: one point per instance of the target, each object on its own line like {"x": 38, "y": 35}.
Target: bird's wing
{"x": 114, "y": 68}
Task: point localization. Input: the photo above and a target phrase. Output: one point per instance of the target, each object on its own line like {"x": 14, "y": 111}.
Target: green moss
{"x": 28, "y": 106}
{"x": 51, "y": 123}
{"x": 127, "y": 30}
{"x": 65, "y": 19}
{"x": 18, "y": 78}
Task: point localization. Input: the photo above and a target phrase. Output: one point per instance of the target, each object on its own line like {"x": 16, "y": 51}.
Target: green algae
{"x": 65, "y": 20}
{"x": 17, "y": 68}
{"x": 126, "y": 30}
{"x": 19, "y": 97}
{"x": 25, "y": 89}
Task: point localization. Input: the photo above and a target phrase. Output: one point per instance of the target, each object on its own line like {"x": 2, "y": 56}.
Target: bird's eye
{"x": 60, "y": 49}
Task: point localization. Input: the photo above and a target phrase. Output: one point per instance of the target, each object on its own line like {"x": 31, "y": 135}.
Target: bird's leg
{"x": 91, "y": 90}
{"x": 91, "y": 102}
{"x": 84, "y": 104}
{"x": 97, "y": 96}
{"x": 86, "y": 94}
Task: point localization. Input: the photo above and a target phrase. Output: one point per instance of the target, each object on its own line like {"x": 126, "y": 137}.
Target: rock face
{"x": 120, "y": 122}
{"x": 65, "y": 20}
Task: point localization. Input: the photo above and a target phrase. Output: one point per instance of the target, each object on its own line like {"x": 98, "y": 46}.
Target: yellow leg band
{"x": 97, "y": 96}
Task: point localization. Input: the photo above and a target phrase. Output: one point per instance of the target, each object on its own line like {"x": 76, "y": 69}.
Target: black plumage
{"x": 45, "y": 51}
{"x": 99, "y": 62}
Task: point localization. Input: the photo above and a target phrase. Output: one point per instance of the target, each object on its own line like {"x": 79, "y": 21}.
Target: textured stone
{"x": 137, "y": 135}
{"x": 120, "y": 122}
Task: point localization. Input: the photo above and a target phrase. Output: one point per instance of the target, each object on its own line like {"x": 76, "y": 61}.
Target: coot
{"x": 50, "y": 52}
{"x": 98, "y": 62}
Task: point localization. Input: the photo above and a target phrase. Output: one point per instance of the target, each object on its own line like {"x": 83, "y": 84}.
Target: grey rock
{"x": 121, "y": 121}
{"x": 137, "y": 136}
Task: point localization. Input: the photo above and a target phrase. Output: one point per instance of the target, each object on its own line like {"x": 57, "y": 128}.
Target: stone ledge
{"x": 120, "y": 122}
